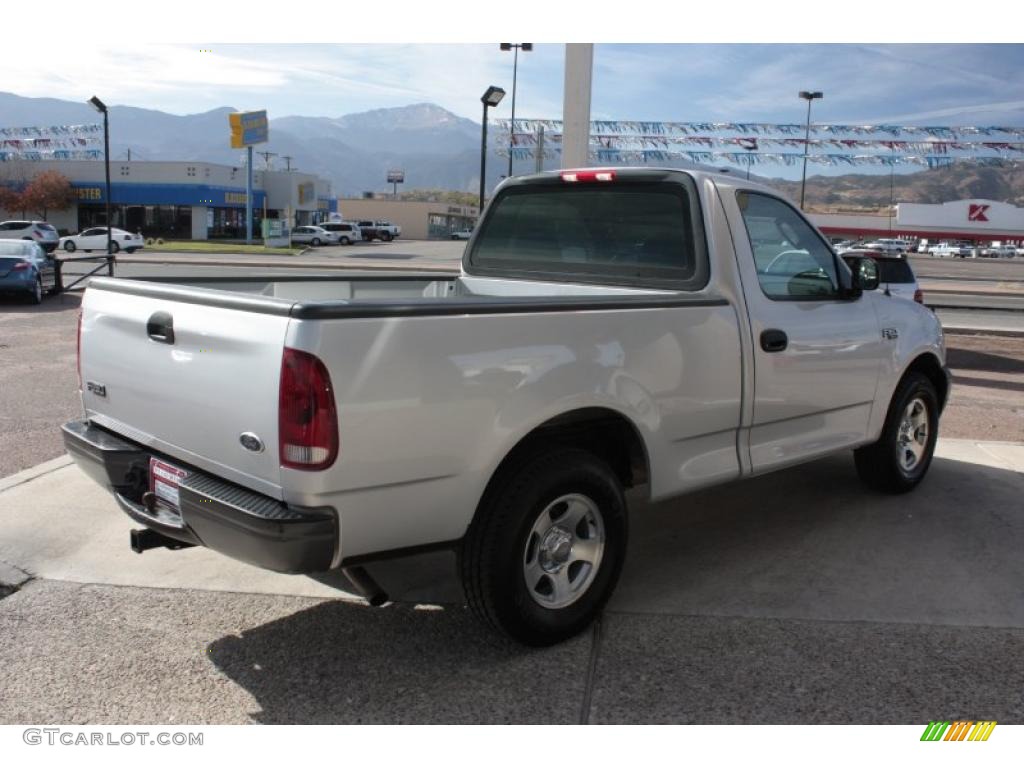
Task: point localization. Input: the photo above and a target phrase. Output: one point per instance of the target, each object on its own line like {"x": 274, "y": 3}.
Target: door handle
{"x": 774, "y": 340}
{"x": 160, "y": 327}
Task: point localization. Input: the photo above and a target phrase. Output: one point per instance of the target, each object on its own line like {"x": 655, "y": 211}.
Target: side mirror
{"x": 865, "y": 273}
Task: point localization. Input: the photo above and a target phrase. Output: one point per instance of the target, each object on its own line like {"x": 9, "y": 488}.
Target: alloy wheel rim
{"x": 912, "y": 435}
{"x": 563, "y": 551}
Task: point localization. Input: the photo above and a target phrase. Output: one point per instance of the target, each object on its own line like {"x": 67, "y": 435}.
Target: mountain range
{"x": 439, "y": 150}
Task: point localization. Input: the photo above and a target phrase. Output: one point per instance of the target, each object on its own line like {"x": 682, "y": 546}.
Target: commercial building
{"x": 975, "y": 220}
{"x": 418, "y": 220}
{"x": 179, "y": 200}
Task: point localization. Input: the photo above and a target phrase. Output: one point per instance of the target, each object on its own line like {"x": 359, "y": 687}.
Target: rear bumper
{"x": 222, "y": 516}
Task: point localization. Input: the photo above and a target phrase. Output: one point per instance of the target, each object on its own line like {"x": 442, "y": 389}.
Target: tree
{"x": 50, "y": 190}
{"x": 10, "y": 200}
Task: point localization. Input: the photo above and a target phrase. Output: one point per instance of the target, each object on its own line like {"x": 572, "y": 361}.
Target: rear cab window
{"x": 638, "y": 233}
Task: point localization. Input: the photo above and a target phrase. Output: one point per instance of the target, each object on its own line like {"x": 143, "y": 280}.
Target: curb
{"x": 953, "y": 331}
{"x": 18, "y": 478}
{"x": 12, "y": 575}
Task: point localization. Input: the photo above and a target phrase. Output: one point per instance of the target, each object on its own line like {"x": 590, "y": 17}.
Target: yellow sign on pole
{"x": 248, "y": 128}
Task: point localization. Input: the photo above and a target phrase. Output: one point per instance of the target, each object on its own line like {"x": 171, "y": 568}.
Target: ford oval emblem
{"x": 251, "y": 442}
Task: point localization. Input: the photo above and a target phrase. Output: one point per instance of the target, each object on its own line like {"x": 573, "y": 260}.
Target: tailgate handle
{"x": 160, "y": 327}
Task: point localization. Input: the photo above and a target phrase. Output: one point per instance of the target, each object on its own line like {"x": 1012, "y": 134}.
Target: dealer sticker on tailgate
{"x": 164, "y": 480}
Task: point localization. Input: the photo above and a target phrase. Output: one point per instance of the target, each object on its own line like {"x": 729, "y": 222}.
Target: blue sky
{"x": 920, "y": 83}
{"x": 971, "y": 84}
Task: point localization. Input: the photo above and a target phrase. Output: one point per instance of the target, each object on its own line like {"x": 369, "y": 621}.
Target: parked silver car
{"x": 36, "y": 231}
{"x": 314, "y": 235}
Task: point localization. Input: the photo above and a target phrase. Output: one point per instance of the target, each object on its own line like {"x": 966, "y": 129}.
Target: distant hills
{"x": 937, "y": 185}
{"x": 438, "y": 150}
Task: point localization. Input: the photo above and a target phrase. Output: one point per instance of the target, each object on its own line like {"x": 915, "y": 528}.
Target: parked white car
{"x": 895, "y": 275}
{"x": 315, "y": 235}
{"x": 660, "y": 329}
{"x": 37, "y": 231}
{"x": 348, "y": 232}
{"x": 95, "y": 239}
{"x": 462, "y": 234}
{"x": 952, "y": 249}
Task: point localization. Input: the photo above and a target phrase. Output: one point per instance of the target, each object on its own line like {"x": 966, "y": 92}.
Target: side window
{"x": 792, "y": 261}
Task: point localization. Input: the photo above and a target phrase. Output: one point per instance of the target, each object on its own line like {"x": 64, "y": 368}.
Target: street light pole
{"x": 491, "y": 98}
{"x": 515, "y": 68}
{"x": 99, "y": 106}
{"x": 809, "y": 96}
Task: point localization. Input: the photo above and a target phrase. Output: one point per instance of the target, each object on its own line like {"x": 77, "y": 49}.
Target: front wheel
{"x": 900, "y": 458}
{"x": 114, "y": 247}
{"x": 345, "y": 241}
{"x": 315, "y": 242}
{"x": 544, "y": 553}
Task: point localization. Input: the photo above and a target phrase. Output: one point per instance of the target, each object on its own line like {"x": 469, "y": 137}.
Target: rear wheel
{"x": 69, "y": 246}
{"x": 545, "y": 550}
{"x": 900, "y": 458}
{"x": 36, "y": 296}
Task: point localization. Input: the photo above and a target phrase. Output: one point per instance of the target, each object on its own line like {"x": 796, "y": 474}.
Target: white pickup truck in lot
{"x": 610, "y": 328}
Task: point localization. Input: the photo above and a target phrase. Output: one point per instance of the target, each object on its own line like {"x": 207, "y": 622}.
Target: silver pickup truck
{"x": 610, "y": 328}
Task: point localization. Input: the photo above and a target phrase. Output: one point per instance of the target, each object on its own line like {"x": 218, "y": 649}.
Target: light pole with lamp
{"x": 100, "y": 107}
{"x": 809, "y": 96}
{"x": 491, "y": 98}
{"x": 515, "y": 67}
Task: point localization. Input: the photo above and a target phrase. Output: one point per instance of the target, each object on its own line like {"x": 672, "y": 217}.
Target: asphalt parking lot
{"x": 798, "y": 597}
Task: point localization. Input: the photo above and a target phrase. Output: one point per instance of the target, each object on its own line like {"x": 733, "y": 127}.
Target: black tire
{"x": 36, "y": 297}
{"x": 69, "y": 246}
{"x": 494, "y": 553}
{"x": 879, "y": 465}
{"x": 387, "y": 237}
{"x": 345, "y": 241}
{"x": 114, "y": 247}
{"x": 315, "y": 242}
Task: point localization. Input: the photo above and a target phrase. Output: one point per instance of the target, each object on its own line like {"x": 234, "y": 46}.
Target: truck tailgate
{"x": 190, "y": 397}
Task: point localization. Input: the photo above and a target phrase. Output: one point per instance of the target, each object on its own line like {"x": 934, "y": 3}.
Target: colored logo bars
{"x": 960, "y": 730}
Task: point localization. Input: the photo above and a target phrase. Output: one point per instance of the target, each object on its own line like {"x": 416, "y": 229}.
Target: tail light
{"x": 919, "y": 296}
{"x": 307, "y": 419}
{"x": 78, "y": 350}
{"x": 591, "y": 174}
{"x": 21, "y": 266}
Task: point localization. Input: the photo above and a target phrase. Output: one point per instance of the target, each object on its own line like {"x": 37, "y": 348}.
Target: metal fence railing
{"x": 106, "y": 262}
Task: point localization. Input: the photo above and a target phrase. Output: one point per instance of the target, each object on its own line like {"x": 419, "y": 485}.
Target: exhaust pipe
{"x": 366, "y": 585}
{"x": 146, "y": 538}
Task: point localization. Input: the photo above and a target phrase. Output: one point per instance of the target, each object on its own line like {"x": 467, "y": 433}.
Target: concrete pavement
{"x": 794, "y": 597}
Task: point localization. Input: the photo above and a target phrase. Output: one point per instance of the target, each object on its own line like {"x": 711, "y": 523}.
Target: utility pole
{"x": 540, "y": 150}
{"x": 579, "y": 65}
{"x": 288, "y": 161}
{"x": 266, "y": 158}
